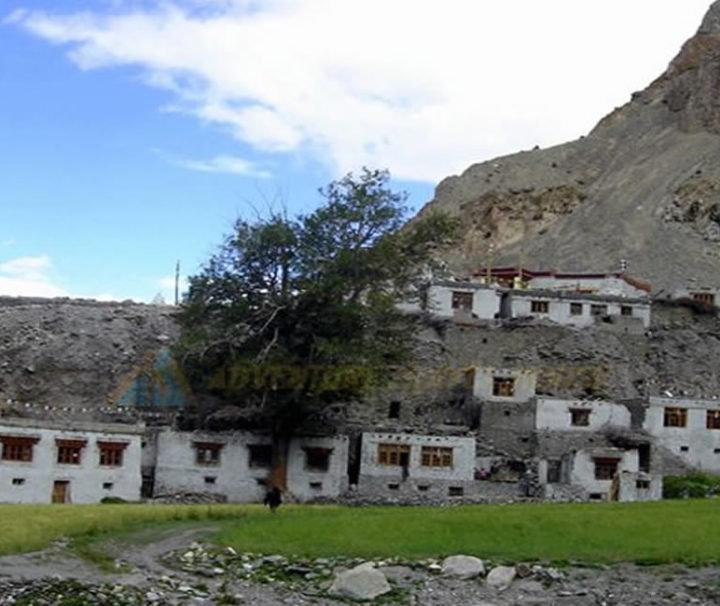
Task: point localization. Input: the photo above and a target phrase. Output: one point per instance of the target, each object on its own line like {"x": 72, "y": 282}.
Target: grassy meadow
{"x": 658, "y": 532}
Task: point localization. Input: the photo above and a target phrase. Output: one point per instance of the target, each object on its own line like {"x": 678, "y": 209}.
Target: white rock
{"x": 463, "y": 566}
{"x": 360, "y": 583}
{"x": 500, "y": 577}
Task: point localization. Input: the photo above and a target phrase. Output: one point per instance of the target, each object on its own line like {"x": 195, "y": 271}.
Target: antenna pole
{"x": 177, "y": 280}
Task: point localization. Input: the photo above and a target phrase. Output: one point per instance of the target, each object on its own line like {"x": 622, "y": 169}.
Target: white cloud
{"x": 220, "y": 164}
{"x": 28, "y": 277}
{"x": 421, "y": 87}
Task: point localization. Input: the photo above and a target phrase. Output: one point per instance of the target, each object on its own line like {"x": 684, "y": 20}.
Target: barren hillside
{"x": 644, "y": 185}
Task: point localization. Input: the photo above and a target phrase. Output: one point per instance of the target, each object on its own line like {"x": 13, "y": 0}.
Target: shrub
{"x": 696, "y": 485}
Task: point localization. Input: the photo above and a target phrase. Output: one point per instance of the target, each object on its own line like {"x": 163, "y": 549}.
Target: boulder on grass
{"x": 360, "y": 583}
{"x": 463, "y": 566}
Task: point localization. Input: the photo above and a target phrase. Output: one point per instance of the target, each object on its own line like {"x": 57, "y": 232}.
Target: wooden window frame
{"x": 675, "y": 416}
{"x": 504, "y": 387}
{"x": 392, "y": 454}
{"x": 539, "y": 306}
{"x": 18, "y": 448}
{"x": 704, "y": 297}
{"x": 111, "y": 453}
{"x": 436, "y": 456}
{"x": 712, "y": 419}
{"x": 627, "y": 311}
{"x": 69, "y": 452}
{"x": 207, "y": 454}
{"x": 606, "y": 467}
{"x": 598, "y": 309}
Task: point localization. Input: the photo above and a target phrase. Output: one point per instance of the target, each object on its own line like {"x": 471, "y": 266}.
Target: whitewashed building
{"x": 236, "y": 465}
{"x": 460, "y": 300}
{"x": 501, "y": 384}
{"x": 688, "y": 428}
{"x": 401, "y": 464}
{"x": 79, "y": 462}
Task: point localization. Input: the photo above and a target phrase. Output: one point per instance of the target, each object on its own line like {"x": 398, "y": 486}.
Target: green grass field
{"x": 660, "y": 532}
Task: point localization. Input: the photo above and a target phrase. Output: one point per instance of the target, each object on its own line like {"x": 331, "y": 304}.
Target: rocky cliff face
{"x": 644, "y": 185}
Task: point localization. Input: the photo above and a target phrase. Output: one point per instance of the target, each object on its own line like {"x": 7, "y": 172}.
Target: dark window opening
{"x": 423, "y": 488}
{"x": 18, "y": 481}
{"x": 107, "y": 485}
{"x": 456, "y": 491}
{"x": 260, "y": 455}
{"x": 260, "y": 481}
{"x": 316, "y": 485}
{"x": 644, "y": 458}
{"x": 684, "y": 449}
{"x": 317, "y": 459}
{"x": 598, "y": 309}
{"x": 207, "y": 453}
{"x": 393, "y": 486}
{"x": 576, "y": 309}
{"x": 626, "y": 310}
{"x": 596, "y": 496}
{"x": 462, "y": 300}
{"x": 580, "y": 417}
{"x": 642, "y": 484}
{"x": 554, "y": 469}
{"x": 606, "y": 468}
{"x": 394, "y": 411}
{"x": 209, "y": 479}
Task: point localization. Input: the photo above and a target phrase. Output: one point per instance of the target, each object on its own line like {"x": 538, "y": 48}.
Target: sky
{"x": 133, "y": 133}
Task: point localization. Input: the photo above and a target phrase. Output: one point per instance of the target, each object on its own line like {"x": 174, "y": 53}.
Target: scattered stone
{"x": 463, "y": 566}
{"x": 360, "y": 583}
{"x": 500, "y": 577}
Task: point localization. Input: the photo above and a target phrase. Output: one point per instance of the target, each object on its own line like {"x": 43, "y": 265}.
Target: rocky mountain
{"x": 644, "y": 185}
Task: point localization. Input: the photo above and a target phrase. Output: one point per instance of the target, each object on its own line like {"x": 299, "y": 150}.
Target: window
{"x": 597, "y": 309}
{"x": 317, "y": 459}
{"x": 207, "y": 453}
{"x": 576, "y": 309}
{"x": 107, "y": 485}
{"x": 316, "y": 485}
{"x": 539, "y": 307}
{"x": 394, "y": 454}
{"x": 580, "y": 417}
{"x": 704, "y": 297}
{"x": 713, "y": 419}
{"x": 210, "y": 480}
{"x": 394, "y": 412}
{"x": 462, "y": 300}
{"x": 436, "y": 456}
{"x": 675, "y": 417}
{"x": 684, "y": 448}
{"x": 18, "y": 448}
{"x": 626, "y": 310}
{"x": 111, "y": 453}
{"x": 642, "y": 484}
{"x": 606, "y": 468}
{"x": 260, "y": 455}
{"x": 18, "y": 481}
{"x": 554, "y": 471}
{"x": 423, "y": 487}
{"x": 503, "y": 386}
{"x": 69, "y": 452}
{"x": 455, "y": 491}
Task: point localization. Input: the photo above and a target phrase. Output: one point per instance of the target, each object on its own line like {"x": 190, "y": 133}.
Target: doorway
{"x": 61, "y": 491}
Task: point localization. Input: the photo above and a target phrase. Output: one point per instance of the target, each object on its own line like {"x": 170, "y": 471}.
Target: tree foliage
{"x": 293, "y": 313}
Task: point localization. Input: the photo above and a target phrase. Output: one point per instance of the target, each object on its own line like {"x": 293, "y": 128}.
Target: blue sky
{"x": 134, "y": 132}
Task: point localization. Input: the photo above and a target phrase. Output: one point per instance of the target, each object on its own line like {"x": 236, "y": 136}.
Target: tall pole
{"x": 177, "y": 281}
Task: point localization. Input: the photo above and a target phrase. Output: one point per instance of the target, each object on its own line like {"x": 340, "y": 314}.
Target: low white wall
{"x": 86, "y": 479}
{"x": 485, "y": 306}
{"x": 305, "y": 483}
{"x": 583, "y": 467}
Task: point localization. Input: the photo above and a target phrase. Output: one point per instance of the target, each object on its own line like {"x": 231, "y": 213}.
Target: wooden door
{"x": 61, "y": 491}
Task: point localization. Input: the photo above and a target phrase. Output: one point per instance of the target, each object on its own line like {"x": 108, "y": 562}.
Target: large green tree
{"x": 292, "y": 314}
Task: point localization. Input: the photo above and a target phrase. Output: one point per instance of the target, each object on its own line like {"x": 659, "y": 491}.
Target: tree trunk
{"x": 278, "y": 474}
